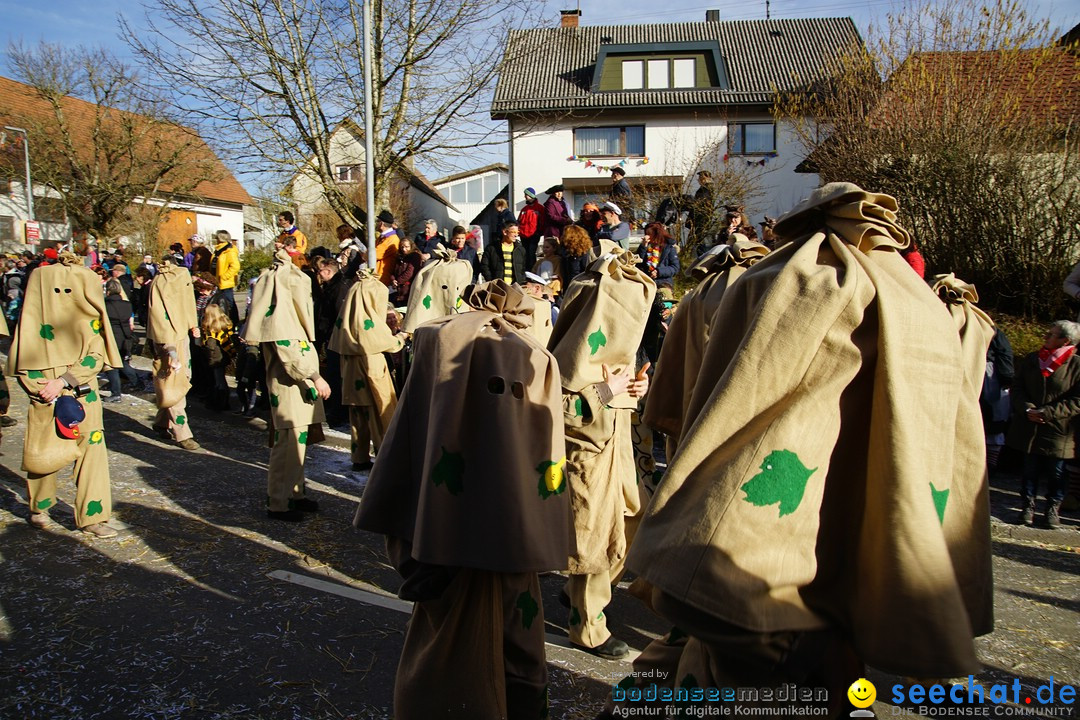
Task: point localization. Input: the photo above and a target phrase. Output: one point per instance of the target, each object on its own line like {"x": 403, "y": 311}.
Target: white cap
{"x": 533, "y": 277}
{"x": 612, "y": 207}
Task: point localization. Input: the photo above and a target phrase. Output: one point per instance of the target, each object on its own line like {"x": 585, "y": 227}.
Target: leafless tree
{"x": 967, "y": 113}
{"x": 273, "y": 79}
{"x": 99, "y": 142}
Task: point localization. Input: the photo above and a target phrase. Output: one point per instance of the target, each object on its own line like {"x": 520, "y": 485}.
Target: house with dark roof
{"x": 662, "y": 101}
{"x": 413, "y": 198}
{"x": 471, "y": 191}
{"x": 216, "y": 203}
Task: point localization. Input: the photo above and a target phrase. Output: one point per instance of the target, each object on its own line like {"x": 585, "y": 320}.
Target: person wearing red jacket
{"x": 531, "y": 223}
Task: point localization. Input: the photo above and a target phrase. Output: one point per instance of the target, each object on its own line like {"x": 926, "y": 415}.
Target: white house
{"x": 662, "y": 102}
{"x": 412, "y": 200}
{"x": 210, "y": 206}
{"x": 471, "y": 191}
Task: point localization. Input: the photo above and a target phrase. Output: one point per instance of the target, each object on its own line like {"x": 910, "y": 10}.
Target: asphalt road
{"x": 203, "y": 608}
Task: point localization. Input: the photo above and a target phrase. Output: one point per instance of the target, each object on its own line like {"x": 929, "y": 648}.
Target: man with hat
{"x": 620, "y": 189}
{"x": 531, "y": 223}
{"x": 701, "y": 213}
{"x": 614, "y": 228}
{"x": 62, "y": 342}
{"x": 558, "y": 214}
{"x": 195, "y": 241}
{"x": 387, "y": 243}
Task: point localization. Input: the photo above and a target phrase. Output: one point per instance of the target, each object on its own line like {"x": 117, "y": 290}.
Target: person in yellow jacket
{"x": 226, "y": 266}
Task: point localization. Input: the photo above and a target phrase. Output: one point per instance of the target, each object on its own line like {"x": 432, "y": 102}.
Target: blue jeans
{"x": 114, "y": 377}
{"x": 1043, "y": 466}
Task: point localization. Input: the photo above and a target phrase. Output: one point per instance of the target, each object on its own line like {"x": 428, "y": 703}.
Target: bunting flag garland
{"x": 607, "y": 168}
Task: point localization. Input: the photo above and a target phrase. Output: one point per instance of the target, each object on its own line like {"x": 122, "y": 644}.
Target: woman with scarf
{"x": 1046, "y": 401}
{"x": 659, "y": 256}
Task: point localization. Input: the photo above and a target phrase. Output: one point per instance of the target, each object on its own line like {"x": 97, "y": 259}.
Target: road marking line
{"x": 374, "y": 596}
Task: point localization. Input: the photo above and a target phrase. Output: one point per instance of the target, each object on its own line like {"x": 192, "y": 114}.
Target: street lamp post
{"x": 26, "y": 157}
{"x": 369, "y": 160}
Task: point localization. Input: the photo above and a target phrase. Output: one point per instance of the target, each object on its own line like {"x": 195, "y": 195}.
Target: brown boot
{"x": 1053, "y": 518}
{"x": 1027, "y": 510}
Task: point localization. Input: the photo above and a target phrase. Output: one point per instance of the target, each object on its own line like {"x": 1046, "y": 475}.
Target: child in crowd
{"x": 219, "y": 341}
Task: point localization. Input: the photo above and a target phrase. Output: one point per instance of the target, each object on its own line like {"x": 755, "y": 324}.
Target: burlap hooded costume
{"x": 967, "y": 527}
{"x": 601, "y": 323}
{"x": 281, "y": 319}
{"x": 468, "y": 488}
{"x": 684, "y": 345}
{"x": 437, "y": 287}
{"x": 817, "y": 477}
{"x": 64, "y": 332}
{"x": 361, "y": 336}
{"x": 171, "y": 316}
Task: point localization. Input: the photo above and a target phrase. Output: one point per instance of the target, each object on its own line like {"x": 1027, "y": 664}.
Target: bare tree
{"x": 273, "y": 79}
{"x": 98, "y": 141}
{"x": 967, "y": 113}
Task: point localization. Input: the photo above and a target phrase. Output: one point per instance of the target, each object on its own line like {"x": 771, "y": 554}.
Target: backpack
{"x": 217, "y": 254}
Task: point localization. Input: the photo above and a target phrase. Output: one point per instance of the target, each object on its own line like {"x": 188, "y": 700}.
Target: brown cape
{"x": 360, "y": 336}
{"x": 684, "y": 345}
{"x": 820, "y": 450}
{"x": 471, "y": 470}
{"x": 437, "y": 287}
{"x": 967, "y": 526}
{"x": 63, "y": 319}
{"x": 281, "y": 304}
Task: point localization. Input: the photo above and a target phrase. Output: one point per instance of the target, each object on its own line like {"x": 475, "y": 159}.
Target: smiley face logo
{"x": 862, "y": 693}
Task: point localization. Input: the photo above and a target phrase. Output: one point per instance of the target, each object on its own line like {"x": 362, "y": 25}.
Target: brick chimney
{"x": 570, "y": 18}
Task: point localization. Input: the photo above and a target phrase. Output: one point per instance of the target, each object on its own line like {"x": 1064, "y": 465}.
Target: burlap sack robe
{"x": 684, "y": 345}
{"x": 967, "y": 526}
{"x": 820, "y": 450}
{"x": 437, "y": 287}
{"x": 601, "y": 322}
{"x": 64, "y": 332}
{"x": 171, "y": 316}
{"x": 469, "y": 489}
{"x": 361, "y": 336}
{"x": 282, "y": 320}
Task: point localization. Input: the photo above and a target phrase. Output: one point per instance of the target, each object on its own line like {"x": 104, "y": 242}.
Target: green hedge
{"x": 253, "y": 262}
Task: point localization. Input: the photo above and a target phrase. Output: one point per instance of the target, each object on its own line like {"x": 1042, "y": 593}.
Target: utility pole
{"x": 26, "y": 157}
{"x": 369, "y": 160}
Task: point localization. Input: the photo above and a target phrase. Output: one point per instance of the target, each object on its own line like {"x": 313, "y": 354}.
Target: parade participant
{"x": 61, "y": 344}
{"x": 437, "y": 288}
{"x": 805, "y": 457}
{"x": 172, "y": 317}
{"x": 595, "y": 341}
{"x": 361, "y": 336}
{"x": 684, "y": 345}
{"x": 281, "y": 318}
{"x": 468, "y": 541}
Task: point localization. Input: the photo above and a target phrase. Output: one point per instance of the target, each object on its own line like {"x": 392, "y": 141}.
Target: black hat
{"x": 385, "y": 216}
{"x": 554, "y": 189}
{"x": 618, "y": 171}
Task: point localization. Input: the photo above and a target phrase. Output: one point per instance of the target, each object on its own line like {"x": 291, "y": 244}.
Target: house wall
{"x": 13, "y": 215}
{"x": 676, "y": 144}
{"x": 491, "y": 182}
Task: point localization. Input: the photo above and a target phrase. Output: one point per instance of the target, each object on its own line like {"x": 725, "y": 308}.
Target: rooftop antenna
{"x": 766, "y": 9}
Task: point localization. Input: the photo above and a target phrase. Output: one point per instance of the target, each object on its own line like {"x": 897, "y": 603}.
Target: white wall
{"x": 468, "y": 210}
{"x": 673, "y": 144}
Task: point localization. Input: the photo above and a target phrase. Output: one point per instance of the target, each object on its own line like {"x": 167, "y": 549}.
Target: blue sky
{"x": 94, "y": 23}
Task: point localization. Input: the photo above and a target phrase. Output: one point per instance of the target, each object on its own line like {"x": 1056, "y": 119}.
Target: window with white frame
{"x": 633, "y": 74}
{"x": 627, "y": 141}
{"x": 752, "y": 138}
{"x": 349, "y": 173}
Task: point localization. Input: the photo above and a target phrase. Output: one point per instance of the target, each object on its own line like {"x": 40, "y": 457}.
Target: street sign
{"x": 33, "y": 232}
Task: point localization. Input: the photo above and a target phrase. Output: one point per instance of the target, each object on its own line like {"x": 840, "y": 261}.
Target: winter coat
{"x": 1058, "y": 396}
{"x": 531, "y": 221}
{"x": 669, "y": 260}
{"x": 491, "y": 265}
{"x": 226, "y": 264}
{"x": 558, "y": 216}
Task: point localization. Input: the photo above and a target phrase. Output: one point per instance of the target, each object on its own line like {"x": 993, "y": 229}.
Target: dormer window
{"x": 660, "y": 66}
